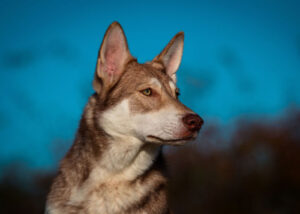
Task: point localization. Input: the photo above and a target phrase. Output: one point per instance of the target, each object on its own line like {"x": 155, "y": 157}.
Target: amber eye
{"x": 147, "y": 91}
{"x": 177, "y": 92}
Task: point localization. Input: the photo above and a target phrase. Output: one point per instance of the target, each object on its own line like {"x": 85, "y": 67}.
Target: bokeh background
{"x": 240, "y": 71}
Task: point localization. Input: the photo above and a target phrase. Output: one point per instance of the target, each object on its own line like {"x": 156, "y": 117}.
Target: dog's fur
{"x": 115, "y": 164}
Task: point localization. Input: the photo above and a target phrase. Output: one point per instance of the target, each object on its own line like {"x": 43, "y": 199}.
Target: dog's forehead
{"x": 152, "y": 73}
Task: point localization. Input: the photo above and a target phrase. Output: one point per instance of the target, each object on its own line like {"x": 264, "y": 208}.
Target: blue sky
{"x": 241, "y": 59}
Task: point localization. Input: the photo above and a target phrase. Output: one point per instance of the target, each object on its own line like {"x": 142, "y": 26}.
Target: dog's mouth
{"x": 176, "y": 141}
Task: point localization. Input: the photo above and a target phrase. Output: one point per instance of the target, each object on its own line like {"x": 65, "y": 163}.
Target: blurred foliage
{"x": 258, "y": 171}
{"x": 254, "y": 169}
{"x": 22, "y": 191}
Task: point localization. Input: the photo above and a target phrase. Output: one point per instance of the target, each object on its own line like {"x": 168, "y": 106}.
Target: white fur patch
{"x": 155, "y": 82}
{"x": 116, "y": 121}
{"x": 165, "y": 123}
{"x": 125, "y": 145}
{"x": 126, "y": 157}
{"x": 172, "y": 85}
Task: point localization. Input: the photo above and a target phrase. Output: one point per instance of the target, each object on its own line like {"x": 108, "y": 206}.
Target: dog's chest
{"x": 115, "y": 198}
{"x": 122, "y": 197}
{"x": 129, "y": 191}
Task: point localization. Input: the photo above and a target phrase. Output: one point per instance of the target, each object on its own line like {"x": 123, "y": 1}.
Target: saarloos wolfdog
{"x": 115, "y": 164}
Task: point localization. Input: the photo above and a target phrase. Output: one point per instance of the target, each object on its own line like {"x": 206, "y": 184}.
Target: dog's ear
{"x": 171, "y": 55}
{"x": 112, "y": 58}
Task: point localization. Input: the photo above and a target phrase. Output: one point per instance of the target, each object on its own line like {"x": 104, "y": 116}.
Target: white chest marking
{"x": 125, "y": 158}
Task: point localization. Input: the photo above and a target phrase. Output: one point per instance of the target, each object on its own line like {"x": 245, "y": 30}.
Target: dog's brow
{"x": 155, "y": 81}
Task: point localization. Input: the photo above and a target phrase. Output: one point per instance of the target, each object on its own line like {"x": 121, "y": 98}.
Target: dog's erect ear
{"x": 171, "y": 55}
{"x": 112, "y": 58}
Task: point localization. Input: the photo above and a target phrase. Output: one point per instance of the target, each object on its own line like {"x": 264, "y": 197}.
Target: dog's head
{"x": 141, "y": 100}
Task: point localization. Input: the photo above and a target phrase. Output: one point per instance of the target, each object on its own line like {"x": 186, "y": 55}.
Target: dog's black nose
{"x": 192, "y": 122}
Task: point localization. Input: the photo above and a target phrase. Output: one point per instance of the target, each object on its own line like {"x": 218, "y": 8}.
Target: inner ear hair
{"x": 171, "y": 55}
{"x": 112, "y": 58}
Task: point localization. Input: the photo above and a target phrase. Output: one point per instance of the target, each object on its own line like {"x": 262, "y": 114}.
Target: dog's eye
{"x": 147, "y": 91}
{"x": 177, "y": 92}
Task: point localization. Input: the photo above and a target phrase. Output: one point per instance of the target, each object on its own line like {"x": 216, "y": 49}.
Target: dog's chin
{"x": 172, "y": 142}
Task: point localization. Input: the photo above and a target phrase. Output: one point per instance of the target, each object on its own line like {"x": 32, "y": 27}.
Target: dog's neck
{"x": 98, "y": 159}
{"x": 113, "y": 158}
{"x": 127, "y": 158}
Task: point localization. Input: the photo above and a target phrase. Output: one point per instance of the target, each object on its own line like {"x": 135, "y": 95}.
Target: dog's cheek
{"x": 145, "y": 125}
{"x": 117, "y": 121}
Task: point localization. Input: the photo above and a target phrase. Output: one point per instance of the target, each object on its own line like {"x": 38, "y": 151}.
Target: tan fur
{"x": 115, "y": 164}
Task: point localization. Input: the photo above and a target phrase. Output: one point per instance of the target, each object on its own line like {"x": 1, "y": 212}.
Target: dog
{"x": 115, "y": 164}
